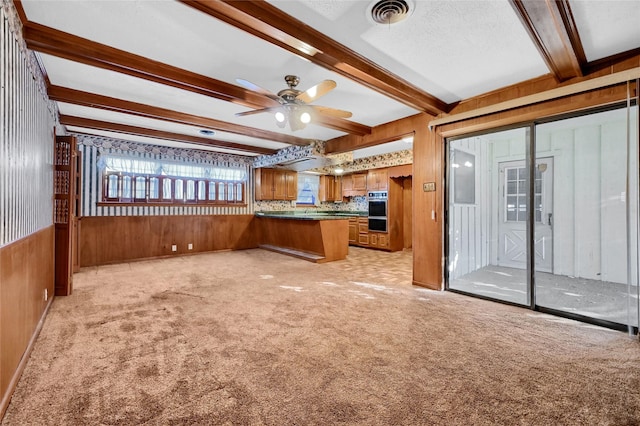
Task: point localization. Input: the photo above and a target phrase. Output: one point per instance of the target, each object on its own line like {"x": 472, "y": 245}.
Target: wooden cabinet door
{"x": 382, "y": 177}
{"x": 377, "y": 180}
{"x": 279, "y": 185}
{"x": 264, "y": 184}
{"x": 291, "y": 185}
{"x": 347, "y": 185}
{"x": 353, "y": 232}
{"x": 383, "y": 240}
{"x": 373, "y": 240}
{"x": 363, "y": 239}
{"x": 337, "y": 188}
{"x": 360, "y": 182}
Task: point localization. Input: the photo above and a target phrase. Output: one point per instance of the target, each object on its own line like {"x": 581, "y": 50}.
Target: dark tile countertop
{"x": 311, "y": 215}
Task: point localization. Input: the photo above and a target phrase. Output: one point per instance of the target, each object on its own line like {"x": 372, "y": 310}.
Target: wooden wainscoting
{"x": 113, "y": 239}
{"x": 26, "y": 271}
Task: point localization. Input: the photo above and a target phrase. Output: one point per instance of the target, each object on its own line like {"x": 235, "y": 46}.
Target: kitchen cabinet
{"x": 359, "y": 181}
{"x": 379, "y": 240}
{"x": 363, "y": 231}
{"x": 276, "y": 184}
{"x": 330, "y": 188}
{"x": 377, "y": 180}
{"x": 354, "y": 184}
{"x": 353, "y": 230}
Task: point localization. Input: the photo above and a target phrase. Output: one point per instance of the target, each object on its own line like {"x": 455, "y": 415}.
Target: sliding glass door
{"x": 589, "y": 231}
{"x": 547, "y": 216}
{"x": 488, "y": 196}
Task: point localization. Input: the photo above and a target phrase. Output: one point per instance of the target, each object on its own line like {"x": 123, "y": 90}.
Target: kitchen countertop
{"x": 311, "y": 215}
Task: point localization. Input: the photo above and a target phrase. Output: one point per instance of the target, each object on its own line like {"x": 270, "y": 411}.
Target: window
{"x": 143, "y": 181}
{"x": 464, "y": 175}
{"x": 307, "y": 188}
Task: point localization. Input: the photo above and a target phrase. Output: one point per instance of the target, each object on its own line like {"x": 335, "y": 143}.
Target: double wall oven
{"x": 378, "y": 211}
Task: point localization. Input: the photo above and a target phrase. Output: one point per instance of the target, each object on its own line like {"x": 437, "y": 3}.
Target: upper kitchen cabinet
{"x": 378, "y": 180}
{"x": 276, "y": 184}
{"x": 330, "y": 188}
{"x": 354, "y": 184}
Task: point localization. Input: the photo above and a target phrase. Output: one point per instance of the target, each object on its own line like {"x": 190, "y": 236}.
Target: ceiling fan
{"x": 294, "y": 107}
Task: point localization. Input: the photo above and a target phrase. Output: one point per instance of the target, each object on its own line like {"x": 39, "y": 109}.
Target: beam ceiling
{"x": 58, "y": 43}
{"x": 87, "y": 123}
{"x": 552, "y": 29}
{"x": 271, "y": 24}
{"x": 77, "y": 97}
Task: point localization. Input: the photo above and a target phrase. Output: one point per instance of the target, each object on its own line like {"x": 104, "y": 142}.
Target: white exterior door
{"x": 512, "y": 214}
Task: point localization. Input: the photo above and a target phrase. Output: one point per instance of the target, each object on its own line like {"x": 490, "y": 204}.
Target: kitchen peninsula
{"x": 317, "y": 237}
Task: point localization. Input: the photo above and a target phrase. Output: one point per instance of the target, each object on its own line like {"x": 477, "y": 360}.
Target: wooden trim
{"x": 78, "y": 97}
{"x": 559, "y": 92}
{"x": 551, "y": 28}
{"x": 68, "y": 120}
{"x": 274, "y": 26}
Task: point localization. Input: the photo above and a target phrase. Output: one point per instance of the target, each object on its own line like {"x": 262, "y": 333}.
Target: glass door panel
{"x": 488, "y": 211}
{"x": 587, "y": 226}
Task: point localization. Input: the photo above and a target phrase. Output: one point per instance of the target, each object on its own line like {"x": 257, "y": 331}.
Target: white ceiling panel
{"x": 607, "y": 27}
{"x": 437, "y": 46}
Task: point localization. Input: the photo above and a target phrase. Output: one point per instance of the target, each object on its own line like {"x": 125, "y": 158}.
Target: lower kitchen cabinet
{"x": 379, "y": 240}
{"x": 359, "y": 234}
{"x": 353, "y": 230}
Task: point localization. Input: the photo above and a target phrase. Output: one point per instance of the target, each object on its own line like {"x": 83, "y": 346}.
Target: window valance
{"x": 150, "y": 166}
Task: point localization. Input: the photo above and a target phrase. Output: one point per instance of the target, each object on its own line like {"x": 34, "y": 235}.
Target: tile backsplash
{"x": 354, "y": 204}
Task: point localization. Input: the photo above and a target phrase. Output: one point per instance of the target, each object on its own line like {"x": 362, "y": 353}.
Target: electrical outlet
{"x": 174, "y": 247}
{"x": 190, "y": 247}
{"x": 46, "y": 295}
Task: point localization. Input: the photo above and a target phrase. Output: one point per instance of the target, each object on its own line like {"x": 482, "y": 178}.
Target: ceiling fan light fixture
{"x": 280, "y": 117}
{"x": 305, "y": 117}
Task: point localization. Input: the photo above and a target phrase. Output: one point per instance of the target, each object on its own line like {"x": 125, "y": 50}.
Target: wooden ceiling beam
{"x": 274, "y": 26}
{"x": 68, "y": 46}
{"x": 92, "y": 100}
{"x": 87, "y": 123}
{"x": 552, "y": 29}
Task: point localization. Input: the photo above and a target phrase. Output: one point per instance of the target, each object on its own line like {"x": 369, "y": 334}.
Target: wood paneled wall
{"x": 113, "y": 239}
{"x": 26, "y": 271}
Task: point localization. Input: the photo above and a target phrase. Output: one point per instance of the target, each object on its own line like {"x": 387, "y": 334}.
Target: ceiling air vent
{"x": 389, "y": 11}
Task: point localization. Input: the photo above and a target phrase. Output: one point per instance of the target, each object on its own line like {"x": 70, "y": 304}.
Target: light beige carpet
{"x": 255, "y": 337}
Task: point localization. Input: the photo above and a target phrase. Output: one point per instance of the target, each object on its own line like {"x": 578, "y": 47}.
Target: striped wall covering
{"x": 27, "y": 121}
{"x": 91, "y": 147}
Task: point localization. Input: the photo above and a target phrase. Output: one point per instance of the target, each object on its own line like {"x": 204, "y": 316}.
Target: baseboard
{"x": 6, "y": 398}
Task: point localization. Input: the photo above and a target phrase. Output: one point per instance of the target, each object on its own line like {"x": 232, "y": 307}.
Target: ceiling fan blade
{"x": 254, "y": 87}
{"x": 316, "y": 91}
{"x": 256, "y": 111}
{"x": 331, "y": 111}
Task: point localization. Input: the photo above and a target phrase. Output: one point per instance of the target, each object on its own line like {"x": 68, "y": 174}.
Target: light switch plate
{"x": 429, "y": 187}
